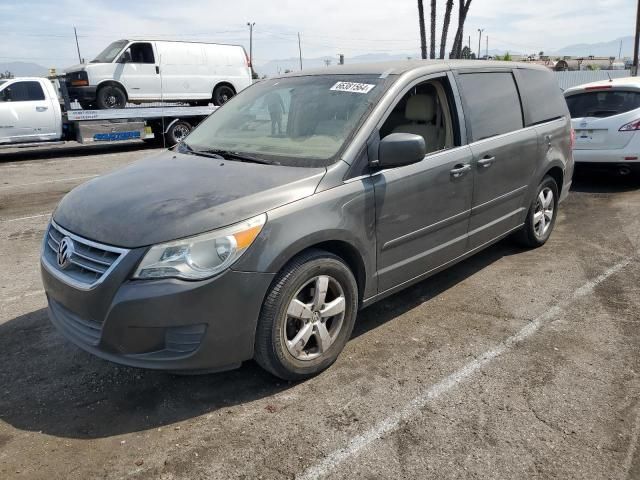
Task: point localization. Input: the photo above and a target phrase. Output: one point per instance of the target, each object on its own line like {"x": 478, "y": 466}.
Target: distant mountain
{"x": 602, "y": 49}
{"x": 274, "y": 67}
{"x": 24, "y": 69}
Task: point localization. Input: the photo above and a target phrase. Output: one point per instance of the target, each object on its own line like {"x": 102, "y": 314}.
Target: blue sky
{"x": 42, "y": 31}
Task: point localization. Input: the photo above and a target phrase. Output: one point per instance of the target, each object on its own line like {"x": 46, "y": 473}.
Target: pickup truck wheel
{"x": 541, "y": 217}
{"x": 111, "y": 96}
{"x": 177, "y": 132}
{"x": 307, "y": 316}
{"x": 222, "y": 94}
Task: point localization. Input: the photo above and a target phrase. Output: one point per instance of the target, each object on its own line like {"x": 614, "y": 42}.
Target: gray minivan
{"x": 303, "y": 199}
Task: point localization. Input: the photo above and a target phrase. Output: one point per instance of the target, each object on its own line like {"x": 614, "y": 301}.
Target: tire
{"x": 222, "y": 94}
{"x": 293, "y": 289}
{"x": 177, "y": 132}
{"x": 537, "y": 229}
{"x": 111, "y": 96}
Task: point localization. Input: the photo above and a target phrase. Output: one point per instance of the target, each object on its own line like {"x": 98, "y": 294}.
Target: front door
{"x": 422, "y": 210}
{"x": 504, "y": 153}
{"x": 26, "y": 114}
{"x": 139, "y": 71}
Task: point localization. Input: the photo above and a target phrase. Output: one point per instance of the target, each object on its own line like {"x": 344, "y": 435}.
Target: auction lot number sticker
{"x": 352, "y": 87}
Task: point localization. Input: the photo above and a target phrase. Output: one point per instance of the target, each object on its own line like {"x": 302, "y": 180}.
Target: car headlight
{"x": 201, "y": 256}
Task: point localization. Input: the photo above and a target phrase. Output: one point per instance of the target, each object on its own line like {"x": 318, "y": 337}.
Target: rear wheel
{"x": 111, "y": 96}
{"x": 541, "y": 217}
{"x": 177, "y": 132}
{"x": 222, "y": 94}
{"x": 307, "y": 317}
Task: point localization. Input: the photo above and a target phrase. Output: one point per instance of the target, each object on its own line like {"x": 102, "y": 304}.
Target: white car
{"x": 159, "y": 70}
{"x": 606, "y": 119}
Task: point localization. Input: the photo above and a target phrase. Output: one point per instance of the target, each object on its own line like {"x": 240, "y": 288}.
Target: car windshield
{"x": 602, "y": 103}
{"x": 109, "y": 54}
{"x": 296, "y": 121}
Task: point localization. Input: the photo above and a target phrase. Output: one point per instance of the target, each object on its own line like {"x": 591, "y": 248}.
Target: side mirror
{"x": 125, "y": 57}
{"x": 399, "y": 149}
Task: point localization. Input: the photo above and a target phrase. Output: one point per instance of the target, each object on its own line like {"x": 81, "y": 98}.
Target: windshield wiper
{"x": 184, "y": 148}
{"x": 243, "y": 157}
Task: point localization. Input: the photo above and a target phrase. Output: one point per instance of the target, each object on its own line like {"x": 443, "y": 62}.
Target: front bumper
{"x": 82, "y": 94}
{"x": 161, "y": 324}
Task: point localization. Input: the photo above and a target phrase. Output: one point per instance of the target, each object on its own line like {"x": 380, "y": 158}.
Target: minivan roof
{"x": 403, "y": 66}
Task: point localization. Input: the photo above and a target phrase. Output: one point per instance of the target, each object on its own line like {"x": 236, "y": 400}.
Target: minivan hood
{"x": 175, "y": 195}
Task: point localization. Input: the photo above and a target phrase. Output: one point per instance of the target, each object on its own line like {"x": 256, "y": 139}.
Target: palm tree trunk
{"x": 445, "y": 27}
{"x": 423, "y": 33}
{"x": 432, "y": 49}
{"x": 456, "y": 51}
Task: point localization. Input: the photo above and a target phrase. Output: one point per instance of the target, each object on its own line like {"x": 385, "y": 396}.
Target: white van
{"x": 159, "y": 70}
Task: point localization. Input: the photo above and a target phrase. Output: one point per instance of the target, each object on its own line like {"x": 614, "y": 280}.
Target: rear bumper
{"x": 82, "y": 94}
{"x": 607, "y": 156}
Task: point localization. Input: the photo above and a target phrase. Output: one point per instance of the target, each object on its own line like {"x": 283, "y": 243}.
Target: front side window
{"x": 299, "y": 121}
{"x": 110, "y": 53}
{"x": 138, "y": 53}
{"x": 602, "y": 103}
{"x": 425, "y": 111}
{"x": 492, "y": 104}
{"x": 22, "y": 92}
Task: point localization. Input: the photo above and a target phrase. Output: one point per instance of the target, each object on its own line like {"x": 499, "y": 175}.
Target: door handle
{"x": 42, "y": 109}
{"x": 486, "y": 161}
{"x": 460, "y": 169}
{"x": 157, "y": 69}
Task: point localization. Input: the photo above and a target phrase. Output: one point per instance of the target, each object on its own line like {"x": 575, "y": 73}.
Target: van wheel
{"x": 222, "y": 94}
{"x": 111, "y": 96}
{"x": 307, "y": 317}
{"x": 177, "y": 132}
{"x": 541, "y": 217}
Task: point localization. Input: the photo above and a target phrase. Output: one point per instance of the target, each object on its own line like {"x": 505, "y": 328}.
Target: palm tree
{"x": 456, "y": 51}
{"x": 432, "y": 49}
{"x": 423, "y": 34}
{"x": 445, "y": 27}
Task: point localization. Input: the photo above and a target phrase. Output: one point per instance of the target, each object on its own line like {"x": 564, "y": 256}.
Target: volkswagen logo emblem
{"x": 65, "y": 252}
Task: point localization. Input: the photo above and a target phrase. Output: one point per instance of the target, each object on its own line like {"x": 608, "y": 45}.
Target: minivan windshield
{"x": 109, "y": 54}
{"x": 602, "y": 103}
{"x": 297, "y": 121}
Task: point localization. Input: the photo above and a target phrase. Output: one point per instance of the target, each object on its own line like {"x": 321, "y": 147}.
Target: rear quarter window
{"x": 602, "y": 103}
{"x": 541, "y": 96}
{"x": 491, "y": 103}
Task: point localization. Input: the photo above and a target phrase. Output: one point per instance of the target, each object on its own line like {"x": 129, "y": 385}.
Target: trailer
{"x": 36, "y": 112}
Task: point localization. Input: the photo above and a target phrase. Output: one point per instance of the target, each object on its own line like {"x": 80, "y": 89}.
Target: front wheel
{"x": 222, "y": 94}
{"x": 307, "y": 317}
{"x": 541, "y": 217}
{"x": 111, "y": 96}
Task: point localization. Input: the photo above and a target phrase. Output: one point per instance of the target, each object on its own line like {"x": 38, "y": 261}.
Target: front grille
{"x": 89, "y": 263}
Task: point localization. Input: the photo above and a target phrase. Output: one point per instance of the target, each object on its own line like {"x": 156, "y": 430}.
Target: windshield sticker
{"x": 352, "y": 87}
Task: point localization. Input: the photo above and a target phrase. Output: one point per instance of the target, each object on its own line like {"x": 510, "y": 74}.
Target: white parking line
{"x": 413, "y": 408}
{"x": 47, "y": 181}
{"x": 25, "y": 218}
{"x": 635, "y": 434}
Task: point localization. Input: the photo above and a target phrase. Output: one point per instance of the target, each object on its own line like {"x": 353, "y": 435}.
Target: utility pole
{"x": 480, "y": 30}
{"x": 637, "y": 40}
{"x": 75, "y": 32}
{"x": 469, "y": 46}
{"x": 486, "y": 50}
{"x": 250, "y": 25}
{"x": 620, "y": 50}
{"x": 300, "y": 50}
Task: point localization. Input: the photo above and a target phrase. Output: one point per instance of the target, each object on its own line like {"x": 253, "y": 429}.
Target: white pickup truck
{"x": 33, "y": 113}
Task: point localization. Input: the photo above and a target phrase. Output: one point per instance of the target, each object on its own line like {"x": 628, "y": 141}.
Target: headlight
{"x": 202, "y": 256}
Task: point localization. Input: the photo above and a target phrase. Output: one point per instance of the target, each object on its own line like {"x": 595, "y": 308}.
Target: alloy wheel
{"x": 543, "y": 214}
